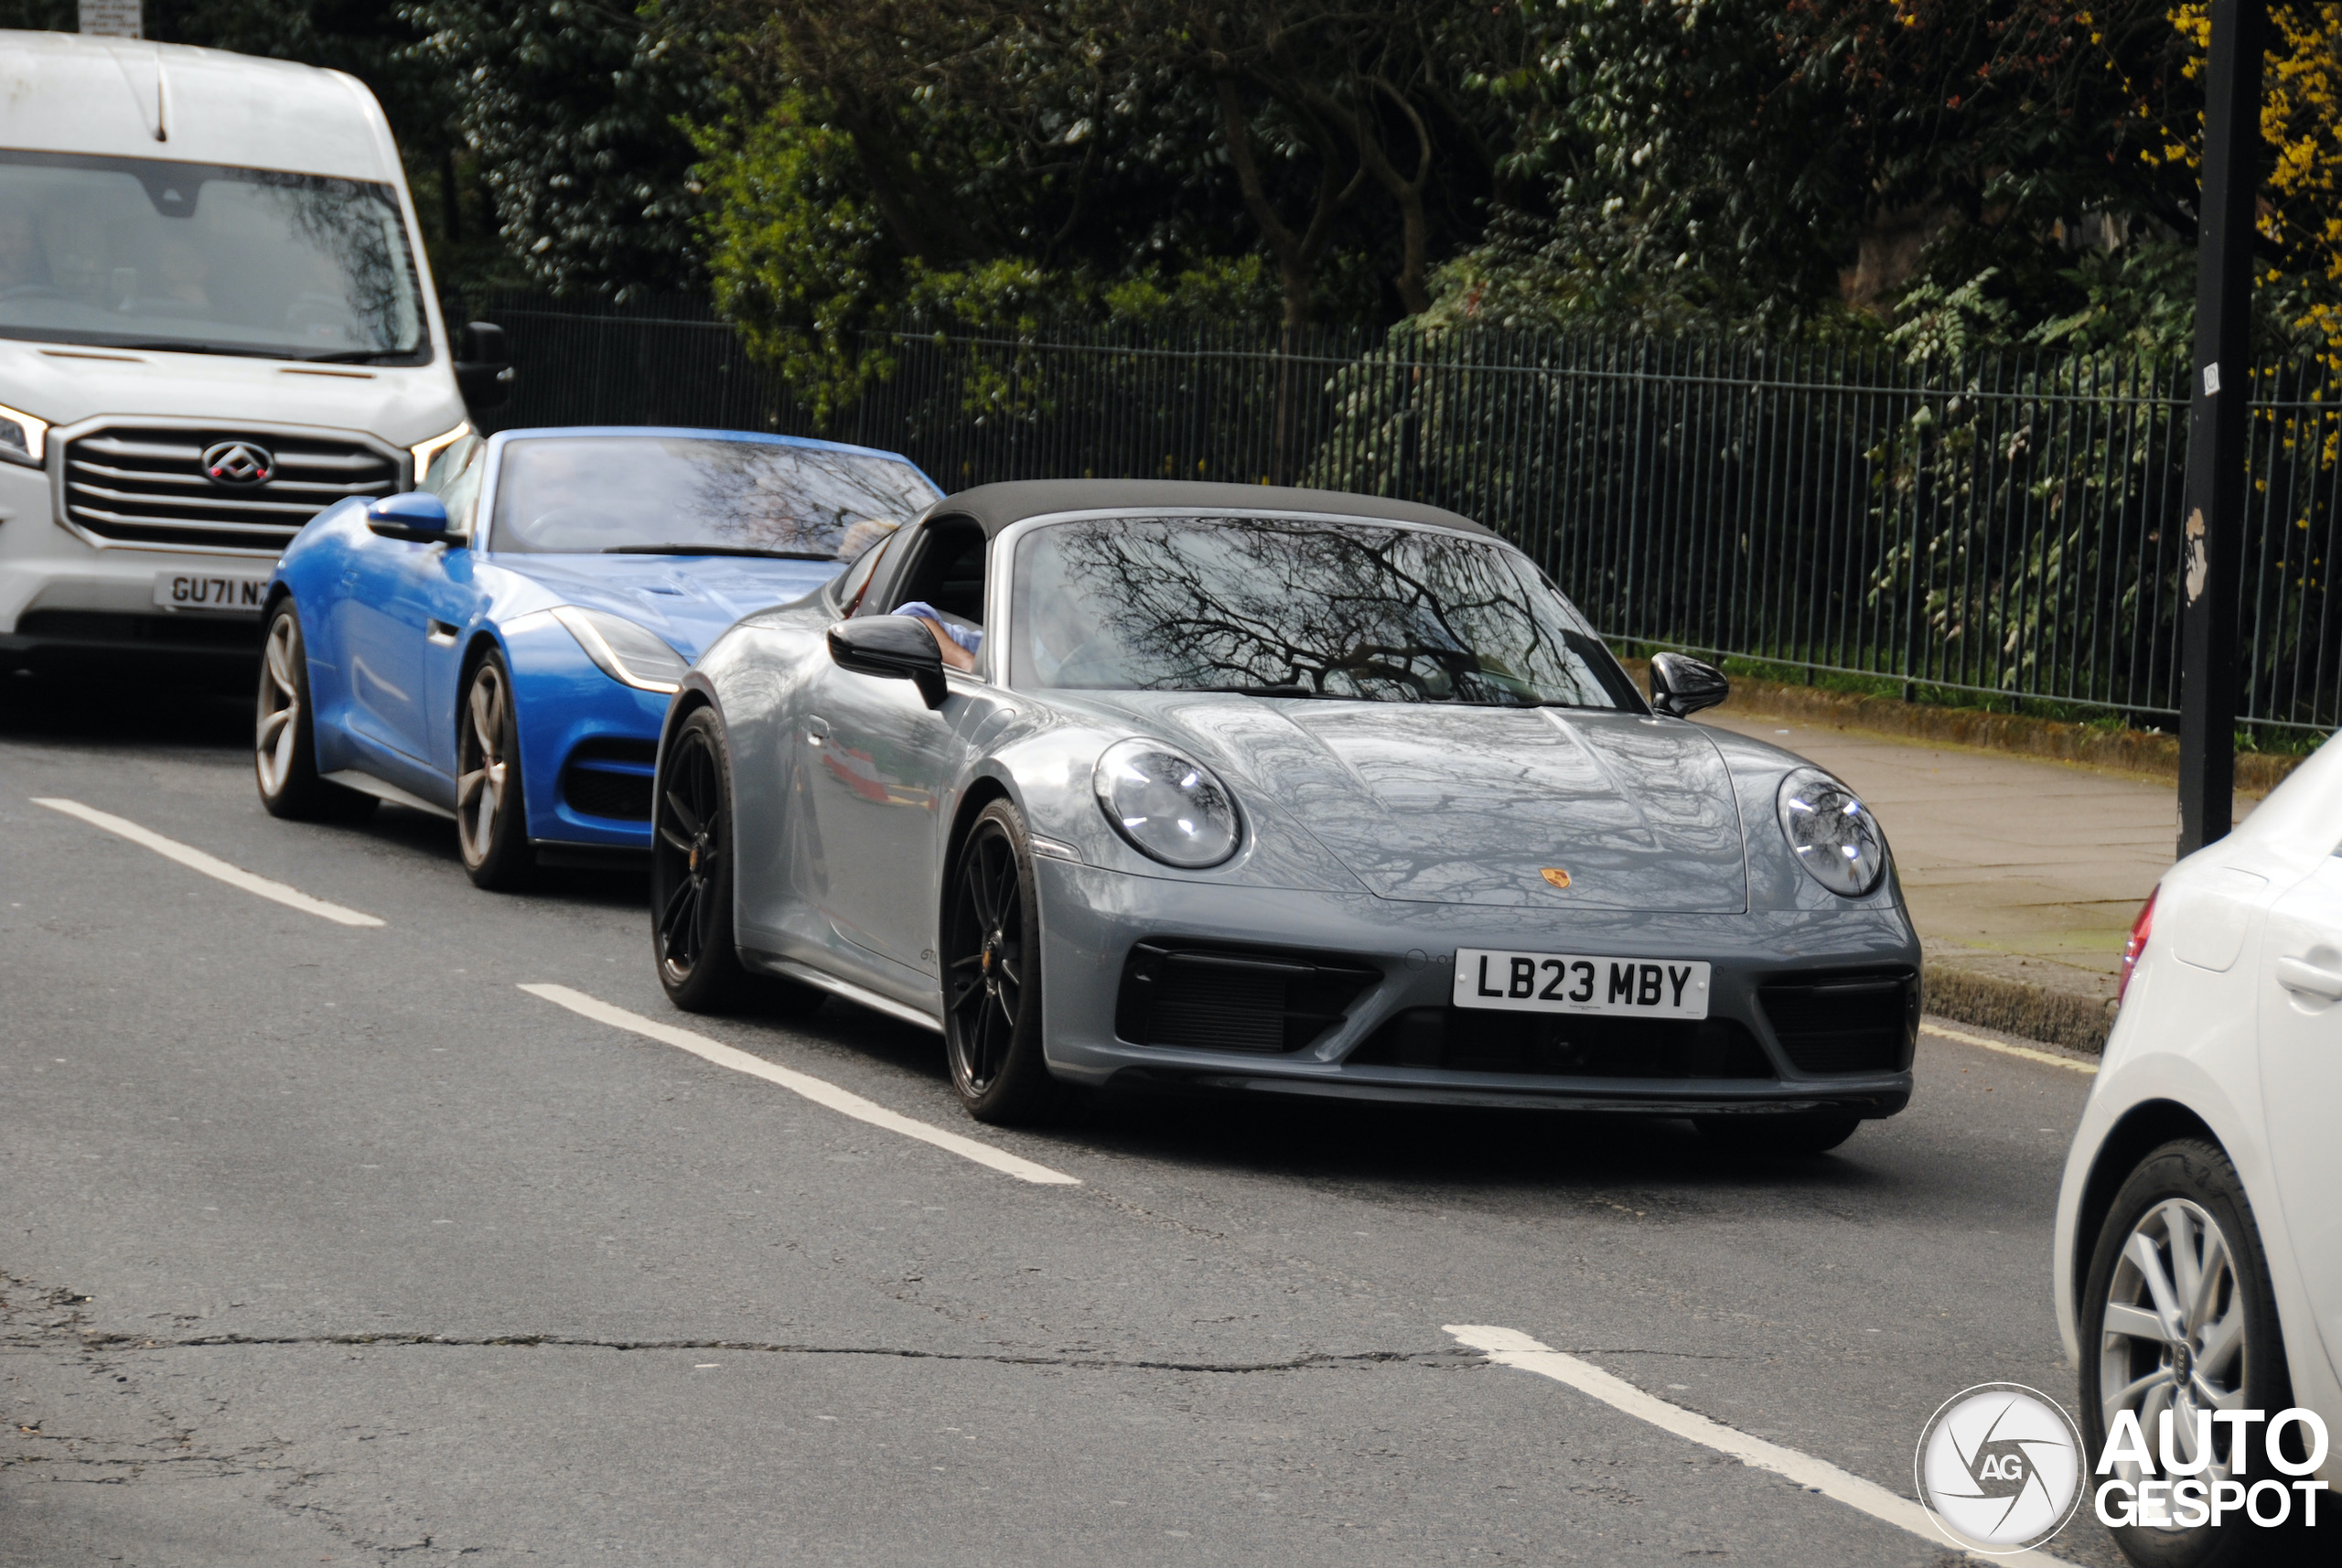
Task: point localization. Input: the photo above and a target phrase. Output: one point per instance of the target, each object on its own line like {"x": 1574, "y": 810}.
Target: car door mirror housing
{"x": 1682, "y": 685}
{"x": 893, "y": 647}
{"x": 484, "y": 368}
{"x": 416, "y": 516}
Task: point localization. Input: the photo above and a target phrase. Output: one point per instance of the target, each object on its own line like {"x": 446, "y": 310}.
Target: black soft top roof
{"x": 997, "y": 506}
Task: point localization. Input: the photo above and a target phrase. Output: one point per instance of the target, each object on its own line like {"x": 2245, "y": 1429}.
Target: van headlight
{"x": 23, "y": 438}
{"x": 1169, "y": 807}
{"x": 1831, "y": 833}
{"x": 625, "y": 652}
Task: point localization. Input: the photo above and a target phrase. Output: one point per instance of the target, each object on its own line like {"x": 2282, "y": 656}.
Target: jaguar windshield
{"x": 688, "y": 495}
{"x": 1290, "y": 608}
{"x": 142, "y": 253}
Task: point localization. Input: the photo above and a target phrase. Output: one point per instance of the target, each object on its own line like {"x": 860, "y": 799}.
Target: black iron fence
{"x": 2009, "y": 525}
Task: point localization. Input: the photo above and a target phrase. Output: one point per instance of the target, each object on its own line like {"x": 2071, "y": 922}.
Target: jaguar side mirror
{"x": 1682, "y": 685}
{"x": 416, "y": 516}
{"x": 893, "y": 647}
{"x": 484, "y": 371}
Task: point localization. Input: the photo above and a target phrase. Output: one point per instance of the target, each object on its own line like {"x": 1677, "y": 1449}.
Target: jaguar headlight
{"x": 1831, "y": 833}
{"x": 1169, "y": 807}
{"x": 625, "y": 652}
{"x": 23, "y": 438}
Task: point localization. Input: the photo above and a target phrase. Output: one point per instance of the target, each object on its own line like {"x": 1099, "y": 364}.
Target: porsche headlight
{"x": 1831, "y": 833}
{"x": 1169, "y": 807}
{"x": 625, "y": 652}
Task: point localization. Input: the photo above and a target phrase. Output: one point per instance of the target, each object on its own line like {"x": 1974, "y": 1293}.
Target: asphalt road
{"x": 327, "y": 1243}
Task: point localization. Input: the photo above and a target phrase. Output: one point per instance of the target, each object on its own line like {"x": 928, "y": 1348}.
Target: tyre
{"x": 285, "y": 742}
{"x": 991, "y": 974}
{"x": 2181, "y": 1232}
{"x": 491, "y": 821}
{"x": 691, "y": 871}
{"x": 1797, "y": 1136}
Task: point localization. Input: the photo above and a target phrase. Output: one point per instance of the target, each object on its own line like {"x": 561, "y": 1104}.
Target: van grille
{"x": 146, "y": 485}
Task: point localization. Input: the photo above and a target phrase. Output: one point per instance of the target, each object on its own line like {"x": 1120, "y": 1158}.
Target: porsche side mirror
{"x": 1682, "y": 685}
{"x": 893, "y": 647}
{"x": 416, "y": 516}
{"x": 484, "y": 371}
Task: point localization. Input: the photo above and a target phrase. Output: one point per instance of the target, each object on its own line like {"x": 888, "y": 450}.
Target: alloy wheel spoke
{"x": 2188, "y": 1245}
{"x": 2135, "y": 1322}
{"x": 2141, "y": 1250}
{"x": 683, "y": 814}
{"x": 675, "y": 918}
{"x": 280, "y": 762}
{"x": 2131, "y": 1395}
{"x": 465, "y": 784}
{"x": 675, "y": 840}
{"x": 2207, "y": 1293}
{"x": 2221, "y": 1342}
{"x": 273, "y": 724}
{"x": 280, "y": 659}
{"x": 968, "y": 992}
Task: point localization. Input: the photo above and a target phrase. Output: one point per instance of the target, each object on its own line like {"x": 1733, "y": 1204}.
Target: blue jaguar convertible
{"x": 498, "y": 646}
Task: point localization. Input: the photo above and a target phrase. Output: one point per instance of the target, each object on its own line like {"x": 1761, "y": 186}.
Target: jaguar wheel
{"x": 491, "y": 823}
{"x": 284, "y": 743}
{"x": 2178, "y": 1316}
{"x": 691, "y": 883}
{"x": 991, "y": 974}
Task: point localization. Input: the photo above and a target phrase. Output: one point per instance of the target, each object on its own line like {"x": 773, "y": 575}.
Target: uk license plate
{"x": 1568, "y": 982}
{"x": 235, "y": 592}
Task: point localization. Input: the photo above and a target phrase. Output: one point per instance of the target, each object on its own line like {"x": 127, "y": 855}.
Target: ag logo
{"x": 2000, "y": 1469}
{"x": 239, "y": 463}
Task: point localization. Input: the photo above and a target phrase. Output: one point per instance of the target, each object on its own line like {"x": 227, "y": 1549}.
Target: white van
{"x": 215, "y": 320}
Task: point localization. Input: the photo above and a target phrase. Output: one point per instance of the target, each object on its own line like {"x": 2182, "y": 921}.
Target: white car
{"x": 2200, "y": 1223}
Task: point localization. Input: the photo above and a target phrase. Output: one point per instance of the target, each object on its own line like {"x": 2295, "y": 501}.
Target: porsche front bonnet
{"x": 1474, "y": 805}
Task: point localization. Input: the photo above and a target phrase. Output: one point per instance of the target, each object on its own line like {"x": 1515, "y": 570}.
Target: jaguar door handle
{"x": 817, "y": 731}
{"x": 2300, "y": 975}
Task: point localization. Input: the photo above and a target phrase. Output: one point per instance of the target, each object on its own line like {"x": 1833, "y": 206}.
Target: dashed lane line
{"x": 819, "y": 1090}
{"x": 2027, "y": 1052}
{"x": 211, "y": 865}
{"x": 1510, "y": 1348}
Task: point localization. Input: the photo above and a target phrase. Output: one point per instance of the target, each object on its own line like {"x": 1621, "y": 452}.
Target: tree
{"x": 573, "y": 111}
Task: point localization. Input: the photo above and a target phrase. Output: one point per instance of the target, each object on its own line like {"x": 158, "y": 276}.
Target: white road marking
{"x": 2027, "y": 1052}
{"x": 211, "y": 865}
{"x": 819, "y": 1090}
{"x": 1510, "y": 1348}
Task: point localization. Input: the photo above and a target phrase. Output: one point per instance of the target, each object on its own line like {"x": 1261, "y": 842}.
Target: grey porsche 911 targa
{"x": 1272, "y": 790}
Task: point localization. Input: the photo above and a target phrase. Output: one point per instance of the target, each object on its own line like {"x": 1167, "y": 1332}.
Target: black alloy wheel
{"x": 691, "y": 883}
{"x": 992, "y": 973}
{"x": 491, "y": 819}
{"x": 285, "y": 742}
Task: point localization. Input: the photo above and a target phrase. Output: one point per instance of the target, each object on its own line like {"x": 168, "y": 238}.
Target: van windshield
{"x": 141, "y": 252}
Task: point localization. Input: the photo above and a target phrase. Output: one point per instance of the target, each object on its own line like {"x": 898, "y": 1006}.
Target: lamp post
{"x": 2211, "y": 543}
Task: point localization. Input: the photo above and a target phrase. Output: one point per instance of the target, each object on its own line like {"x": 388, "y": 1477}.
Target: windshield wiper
{"x": 356, "y": 357}
{"x": 1283, "y": 689}
{"x": 719, "y": 550}
{"x": 190, "y": 345}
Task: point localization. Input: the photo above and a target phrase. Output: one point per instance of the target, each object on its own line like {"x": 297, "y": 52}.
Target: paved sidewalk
{"x": 2024, "y": 871}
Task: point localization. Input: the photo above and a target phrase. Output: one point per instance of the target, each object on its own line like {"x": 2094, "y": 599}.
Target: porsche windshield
{"x": 688, "y": 495}
{"x": 200, "y": 258}
{"x": 1287, "y": 607}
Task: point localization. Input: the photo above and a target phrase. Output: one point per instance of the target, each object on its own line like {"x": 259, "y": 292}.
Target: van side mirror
{"x": 484, "y": 367}
{"x": 1682, "y": 685}
{"x": 893, "y": 647}
{"x": 416, "y": 516}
